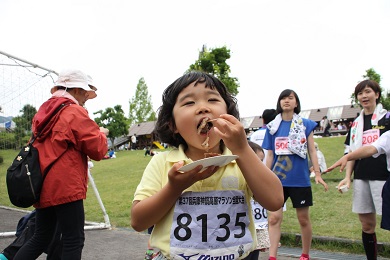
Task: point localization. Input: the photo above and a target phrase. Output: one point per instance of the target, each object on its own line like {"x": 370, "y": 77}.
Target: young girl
{"x": 202, "y": 213}
{"x": 370, "y": 174}
{"x": 290, "y": 137}
{"x": 259, "y": 215}
{"x": 379, "y": 147}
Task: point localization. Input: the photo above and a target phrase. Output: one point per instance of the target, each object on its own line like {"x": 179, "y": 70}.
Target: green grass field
{"x": 118, "y": 178}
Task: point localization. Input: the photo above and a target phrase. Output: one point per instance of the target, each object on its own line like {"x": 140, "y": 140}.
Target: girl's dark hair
{"x": 286, "y": 93}
{"x": 371, "y": 84}
{"x": 165, "y": 125}
{"x": 255, "y": 147}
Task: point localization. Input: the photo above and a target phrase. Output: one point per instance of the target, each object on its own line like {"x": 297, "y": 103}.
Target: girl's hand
{"x": 231, "y": 131}
{"x": 342, "y": 162}
{"x": 319, "y": 179}
{"x": 182, "y": 180}
{"x": 345, "y": 181}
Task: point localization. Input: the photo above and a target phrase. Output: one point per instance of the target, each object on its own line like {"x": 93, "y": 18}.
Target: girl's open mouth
{"x": 204, "y": 126}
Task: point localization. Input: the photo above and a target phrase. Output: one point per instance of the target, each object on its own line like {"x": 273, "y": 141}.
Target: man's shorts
{"x": 385, "y": 224}
{"x": 300, "y": 197}
{"x": 367, "y": 196}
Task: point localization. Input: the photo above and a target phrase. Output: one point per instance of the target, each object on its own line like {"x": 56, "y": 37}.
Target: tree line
{"x": 213, "y": 61}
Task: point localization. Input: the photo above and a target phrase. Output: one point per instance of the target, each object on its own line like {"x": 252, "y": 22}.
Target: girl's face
{"x": 193, "y": 104}
{"x": 260, "y": 154}
{"x": 367, "y": 98}
{"x": 288, "y": 103}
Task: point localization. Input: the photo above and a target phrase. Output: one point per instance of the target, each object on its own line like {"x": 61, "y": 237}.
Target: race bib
{"x": 370, "y": 136}
{"x": 210, "y": 225}
{"x": 281, "y": 144}
{"x": 259, "y": 215}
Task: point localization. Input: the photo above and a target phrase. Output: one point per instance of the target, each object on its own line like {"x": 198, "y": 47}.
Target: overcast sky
{"x": 320, "y": 49}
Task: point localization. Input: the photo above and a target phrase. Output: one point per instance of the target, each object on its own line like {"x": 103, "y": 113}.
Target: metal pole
{"x": 105, "y": 215}
{"x": 27, "y": 62}
{"x": 88, "y": 226}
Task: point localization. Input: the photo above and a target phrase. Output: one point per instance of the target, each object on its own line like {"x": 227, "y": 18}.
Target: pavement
{"x": 127, "y": 244}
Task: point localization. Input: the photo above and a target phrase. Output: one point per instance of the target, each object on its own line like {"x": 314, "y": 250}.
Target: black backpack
{"x": 24, "y": 177}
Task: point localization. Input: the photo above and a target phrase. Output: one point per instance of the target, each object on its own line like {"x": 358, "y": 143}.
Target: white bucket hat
{"x": 75, "y": 79}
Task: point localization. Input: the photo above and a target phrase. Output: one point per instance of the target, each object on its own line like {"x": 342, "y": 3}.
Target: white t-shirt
{"x": 258, "y": 138}
{"x": 383, "y": 147}
{"x": 321, "y": 161}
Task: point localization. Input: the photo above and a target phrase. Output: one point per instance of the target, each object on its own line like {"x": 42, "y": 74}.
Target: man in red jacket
{"x": 70, "y": 136}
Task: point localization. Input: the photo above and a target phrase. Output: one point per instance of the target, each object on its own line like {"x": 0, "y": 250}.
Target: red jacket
{"x": 70, "y": 136}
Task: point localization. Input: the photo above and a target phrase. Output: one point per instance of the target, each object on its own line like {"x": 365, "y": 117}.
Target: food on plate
{"x": 208, "y": 155}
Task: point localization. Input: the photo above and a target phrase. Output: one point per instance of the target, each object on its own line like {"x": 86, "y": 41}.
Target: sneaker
{"x": 304, "y": 258}
{"x": 149, "y": 254}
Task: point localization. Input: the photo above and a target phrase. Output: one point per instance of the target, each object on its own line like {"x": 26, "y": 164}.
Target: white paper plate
{"x": 220, "y": 161}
